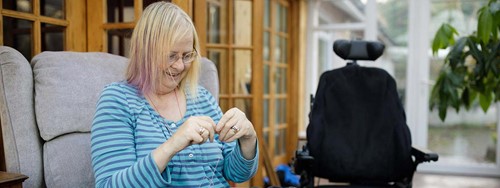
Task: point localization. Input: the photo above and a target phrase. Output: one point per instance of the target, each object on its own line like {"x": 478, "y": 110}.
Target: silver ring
{"x": 235, "y": 129}
{"x": 201, "y": 130}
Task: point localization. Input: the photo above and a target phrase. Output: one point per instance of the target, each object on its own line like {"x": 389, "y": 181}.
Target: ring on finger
{"x": 235, "y": 129}
{"x": 201, "y": 130}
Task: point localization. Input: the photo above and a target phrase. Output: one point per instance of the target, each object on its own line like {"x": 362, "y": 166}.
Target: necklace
{"x": 176, "y": 100}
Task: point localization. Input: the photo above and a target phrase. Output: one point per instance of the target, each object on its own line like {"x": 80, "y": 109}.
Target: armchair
{"x": 46, "y": 111}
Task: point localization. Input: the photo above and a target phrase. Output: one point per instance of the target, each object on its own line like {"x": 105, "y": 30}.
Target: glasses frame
{"x": 186, "y": 58}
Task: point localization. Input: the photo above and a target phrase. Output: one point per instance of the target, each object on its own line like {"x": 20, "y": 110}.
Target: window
{"x": 33, "y": 26}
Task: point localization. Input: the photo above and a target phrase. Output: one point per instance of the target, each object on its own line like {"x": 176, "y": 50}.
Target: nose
{"x": 178, "y": 64}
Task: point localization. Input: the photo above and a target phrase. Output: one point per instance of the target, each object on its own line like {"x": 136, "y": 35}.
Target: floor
{"x": 448, "y": 181}
{"x": 445, "y": 181}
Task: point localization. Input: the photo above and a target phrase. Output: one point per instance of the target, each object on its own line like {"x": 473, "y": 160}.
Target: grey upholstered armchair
{"x": 46, "y": 111}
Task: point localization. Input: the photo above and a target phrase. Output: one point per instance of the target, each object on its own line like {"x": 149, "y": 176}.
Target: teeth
{"x": 173, "y": 75}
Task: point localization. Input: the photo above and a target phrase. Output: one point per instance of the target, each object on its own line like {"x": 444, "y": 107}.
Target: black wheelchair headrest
{"x": 358, "y": 49}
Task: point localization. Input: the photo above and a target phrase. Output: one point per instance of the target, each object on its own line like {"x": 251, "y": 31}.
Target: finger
{"x": 204, "y": 136}
{"x": 207, "y": 123}
{"x": 226, "y": 117}
{"x": 234, "y": 136}
{"x": 201, "y": 136}
{"x": 227, "y": 129}
{"x": 238, "y": 132}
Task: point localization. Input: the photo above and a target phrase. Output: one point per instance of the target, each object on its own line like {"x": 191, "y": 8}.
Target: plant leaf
{"x": 472, "y": 96}
{"x": 485, "y": 101}
{"x": 442, "y": 111}
{"x": 455, "y": 55}
{"x": 485, "y": 24}
{"x": 466, "y": 98}
{"x": 474, "y": 51}
{"x": 443, "y": 37}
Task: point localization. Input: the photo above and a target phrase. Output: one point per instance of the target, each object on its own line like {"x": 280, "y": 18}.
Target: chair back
{"x": 357, "y": 130}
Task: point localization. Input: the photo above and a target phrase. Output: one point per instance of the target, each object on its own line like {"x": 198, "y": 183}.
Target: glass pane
{"x": 120, "y": 11}
{"x": 284, "y": 20}
{"x": 244, "y": 105}
{"x": 280, "y": 111}
{"x": 467, "y": 137}
{"x": 277, "y": 16}
{"x": 267, "y": 7}
{"x": 52, "y": 37}
{"x": 145, "y": 3}
{"x": 19, "y": 5}
{"x": 280, "y": 80}
{"x": 283, "y": 111}
{"x": 267, "y": 46}
{"x": 52, "y": 8}
{"x": 322, "y": 57}
{"x": 242, "y": 71}
{"x": 243, "y": 22}
{"x": 119, "y": 41}
{"x": 17, "y": 34}
{"x": 266, "y": 113}
{"x": 218, "y": 56}
{"x": 277, "y": 144}
{"x": 283, "y": 50}
{"x": 277, "y": 110}
{"x": 277, "y": 49}
{"x": 217, "y": 22}
{"x": 282, "y": 142}
{"x": 266, "y": 79}
{"x": 395, "y": 26}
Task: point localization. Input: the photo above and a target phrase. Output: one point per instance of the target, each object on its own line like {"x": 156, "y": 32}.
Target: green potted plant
{"x": 471, "y": 68}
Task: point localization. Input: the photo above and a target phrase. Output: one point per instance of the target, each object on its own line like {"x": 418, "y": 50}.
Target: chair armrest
{"x": 423, "y": 155}
{"x": 303, "y": 161}
{"x": 302, "y": 165}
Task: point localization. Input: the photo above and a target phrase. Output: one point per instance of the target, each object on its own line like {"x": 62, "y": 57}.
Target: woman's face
{"x": 178, "y": 63}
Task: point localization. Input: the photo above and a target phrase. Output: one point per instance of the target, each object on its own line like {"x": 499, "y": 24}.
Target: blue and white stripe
{"x": 126, "y": 129}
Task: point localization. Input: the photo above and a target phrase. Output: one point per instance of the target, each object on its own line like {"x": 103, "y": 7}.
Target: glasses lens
{"x": 172, "y": 58}
{"x": 189, "y": 57}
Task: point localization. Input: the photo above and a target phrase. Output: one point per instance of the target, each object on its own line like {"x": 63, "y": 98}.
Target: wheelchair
{"x": 357, "y": 132}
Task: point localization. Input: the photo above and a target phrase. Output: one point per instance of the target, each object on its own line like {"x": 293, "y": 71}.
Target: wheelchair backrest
{"x": 357, "y": 130}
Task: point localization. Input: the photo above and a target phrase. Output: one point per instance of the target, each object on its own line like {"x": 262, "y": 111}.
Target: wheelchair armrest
{"x": 302, "y": 165}
{"x": 423, "y": 155}
{"x": 303, "y": 161}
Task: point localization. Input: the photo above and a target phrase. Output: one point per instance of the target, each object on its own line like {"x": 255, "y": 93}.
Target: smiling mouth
{"x": 172, "y": 74}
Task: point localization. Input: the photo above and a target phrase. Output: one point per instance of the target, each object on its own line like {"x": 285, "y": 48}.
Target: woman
{"x": 159, "y": 128}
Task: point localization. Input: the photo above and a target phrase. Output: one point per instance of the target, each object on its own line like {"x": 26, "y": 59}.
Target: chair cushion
{"x": 66, "y": 161}
{"x": 67, "y": 87}
{"x": 21, "y": 143}
{"x": 209, "y": 77}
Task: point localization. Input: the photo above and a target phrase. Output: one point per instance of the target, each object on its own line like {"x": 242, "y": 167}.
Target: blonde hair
{"x": 160, "y": 27}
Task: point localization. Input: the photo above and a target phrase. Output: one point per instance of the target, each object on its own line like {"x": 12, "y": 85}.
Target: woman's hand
{"x": 235, "y": 125}
{"x": 196, "y": 130}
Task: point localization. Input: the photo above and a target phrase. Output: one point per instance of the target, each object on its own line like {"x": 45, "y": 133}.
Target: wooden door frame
{"x": 76, "y": 32}
{"x": 296, "y": 49}
{"x": 199, "y": 15}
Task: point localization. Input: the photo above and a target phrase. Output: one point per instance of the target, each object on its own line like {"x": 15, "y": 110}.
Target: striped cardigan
{"x": 126, "y": 129}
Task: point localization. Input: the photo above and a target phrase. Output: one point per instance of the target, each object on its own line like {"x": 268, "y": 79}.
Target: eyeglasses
{"x": 186, "y": 58}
